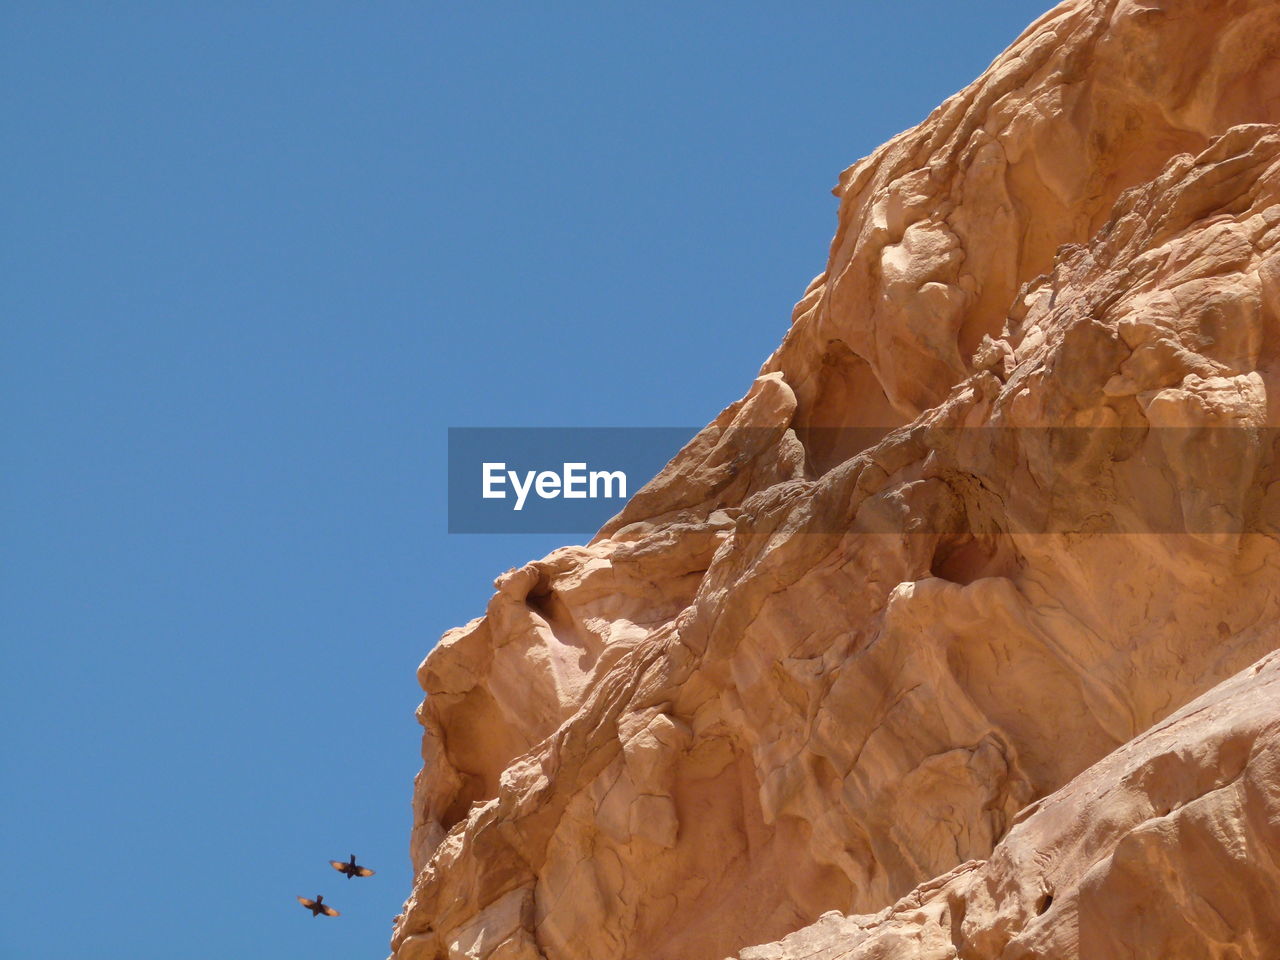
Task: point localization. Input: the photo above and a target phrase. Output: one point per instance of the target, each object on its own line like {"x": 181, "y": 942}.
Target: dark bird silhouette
{"x": 351, "y": 868}
{"x": 318, "y": 906}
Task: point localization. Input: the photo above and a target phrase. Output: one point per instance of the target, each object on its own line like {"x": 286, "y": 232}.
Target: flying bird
{"x": 318, "y": 906}
{"x": 351, "y": 868}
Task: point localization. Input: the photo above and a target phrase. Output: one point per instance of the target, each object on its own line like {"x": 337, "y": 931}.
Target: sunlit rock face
{"x": 900, "y": 657}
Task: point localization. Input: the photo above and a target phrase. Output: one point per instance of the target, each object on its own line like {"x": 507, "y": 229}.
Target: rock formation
{"x": 952, "y": 637}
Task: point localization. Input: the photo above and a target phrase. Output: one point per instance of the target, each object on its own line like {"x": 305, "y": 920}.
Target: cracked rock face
{"x": 952, "y": 637}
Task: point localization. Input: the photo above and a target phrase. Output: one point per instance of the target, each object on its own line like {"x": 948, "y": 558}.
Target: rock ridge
{"x": 954, "y": 636}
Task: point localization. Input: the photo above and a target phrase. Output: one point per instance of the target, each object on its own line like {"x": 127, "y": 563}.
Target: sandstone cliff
{"x": 951, "y": 638}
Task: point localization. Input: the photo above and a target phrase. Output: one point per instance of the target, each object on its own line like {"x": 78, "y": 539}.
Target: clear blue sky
{"x": 259, "y": 256}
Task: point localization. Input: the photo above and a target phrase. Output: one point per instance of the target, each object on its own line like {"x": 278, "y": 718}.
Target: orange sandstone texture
{"x": 900, "y": 657}
{"x": 1165, "y": 848}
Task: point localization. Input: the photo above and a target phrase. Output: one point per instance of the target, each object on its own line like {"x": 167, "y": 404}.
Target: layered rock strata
{"x": 899, "y": 657}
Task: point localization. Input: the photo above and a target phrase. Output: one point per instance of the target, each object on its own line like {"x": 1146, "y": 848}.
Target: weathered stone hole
{"x": 546, "y": 603}
{"x": 1043, "y": 904}
{"x": 963, "y": 558}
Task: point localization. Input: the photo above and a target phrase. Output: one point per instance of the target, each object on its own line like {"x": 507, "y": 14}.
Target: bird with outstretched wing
{"x": 350, "y": 868}
{"x": 318, "y": 906}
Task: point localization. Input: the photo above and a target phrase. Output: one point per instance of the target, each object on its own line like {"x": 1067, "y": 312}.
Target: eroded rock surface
{"x": 1167, "y": 847}
{"x": 873, "y": 666}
